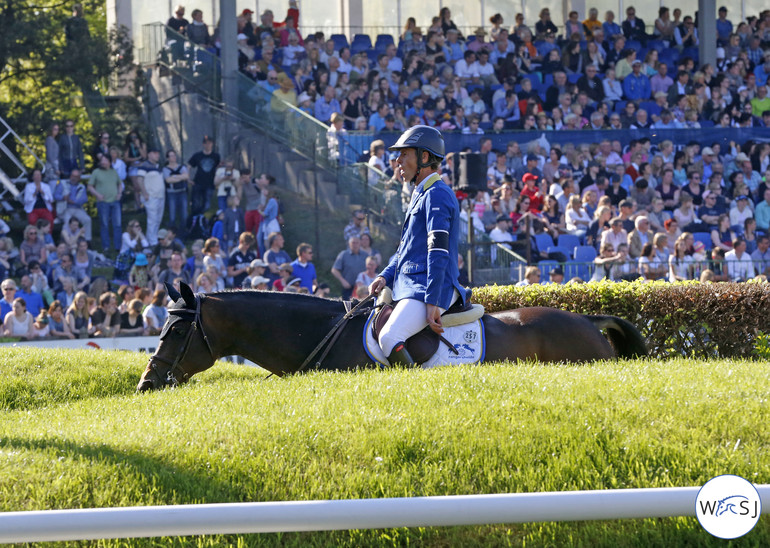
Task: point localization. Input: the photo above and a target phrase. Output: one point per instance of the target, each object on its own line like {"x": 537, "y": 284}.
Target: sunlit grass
{"x": 73, "y": 434}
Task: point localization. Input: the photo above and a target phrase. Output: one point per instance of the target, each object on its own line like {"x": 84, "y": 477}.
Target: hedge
{"x": 676, "y": 319}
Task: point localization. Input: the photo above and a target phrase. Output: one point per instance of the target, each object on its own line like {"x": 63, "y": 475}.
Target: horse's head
{"x": 184, "y": 348}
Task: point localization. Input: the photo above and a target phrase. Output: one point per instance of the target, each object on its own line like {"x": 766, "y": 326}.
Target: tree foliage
{"x": 46, "y": 77}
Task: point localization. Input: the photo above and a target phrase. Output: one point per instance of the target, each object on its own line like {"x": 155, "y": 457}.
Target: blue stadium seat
{"x": 657, "y": 45}
{"x": 543, "y": 241}
{"x": 361, "y": 42}
{"x": 547, "y": 81}
{"x": 382, "y": 41}
{"x": 707, "y": 123}
{"x": 704, "y": 237}
{"x": 691, "y": 52}
{"x": 585, "y": 253}
{"x": 619, "y": 106}
{"x": 573, "y": 78}
{"x": 340, "y": 41}
{"x": 545, "y": 267}
{"x": 651, "y": 107}
{"x": 634, "y": 44}
{"x": 669, "y": 56}
{"x": 559, "y": 249}
{"x": 570, "y": 241}
{"x": 574, "y": 269}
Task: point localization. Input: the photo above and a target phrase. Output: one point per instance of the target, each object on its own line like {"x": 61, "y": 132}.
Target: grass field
{"x": 73, "y": 434}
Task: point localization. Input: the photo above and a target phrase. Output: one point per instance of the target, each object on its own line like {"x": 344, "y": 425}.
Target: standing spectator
{"x": 177, "y": 178}
{"x": 205, "y": 163}
{"x": 38, "y": 200}
{"x": 77, "y": 198}
{"x": 724, "y": 27}
{"x": 197, "y": 30}
{"x": 71, "y": 154}
{"x": 241, "y": 259}
{"x": 177, "y": 22}
{"x": 270, "y": 215}
{"x": 348, "y": 264}
{"x": 106, "y": 186}
{"x": 357, "y": 225}
{"x": 366, "y": 277}
{"x": 254, "y": 201}
{"x": 52, "y": 153}
{"x": 633, "y": 27}
{"x": 151, "y": 185}
{"x": 134, "y": 154}
{"x": 234, "y": 222}
{"x": 303, "y": 268}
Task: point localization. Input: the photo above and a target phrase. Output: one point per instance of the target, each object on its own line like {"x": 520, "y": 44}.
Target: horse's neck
{"x": 271, "y": 331}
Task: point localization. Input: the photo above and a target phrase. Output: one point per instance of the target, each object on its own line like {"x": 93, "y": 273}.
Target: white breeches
{"x": 407, "y": 319}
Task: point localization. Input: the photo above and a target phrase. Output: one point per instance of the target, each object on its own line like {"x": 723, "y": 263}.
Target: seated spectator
{"x": 649, "y": 268}
{"x": 285, "y": 272}
{"x": 606, "y": 262}
{"x": 175, "y": 270}
{"x": 761, "y": 255}
{"x": 105, "y": 321}
{"x": 132, "y": 321}
{"x": 722, "y": 235}
{"x": 709, "y": 213}
{"x": 639, "y": 236}
{"x": 139, "y": 276}
{"x": 58, "y": 328}
{"x": 156, "y": 314}
{"x": 739, "y": 264}
{"x": 366, "y": 277}
{"x": 19, "y": 322}
{"x": 531, "y": 277}
{"x": 577, "y": 219}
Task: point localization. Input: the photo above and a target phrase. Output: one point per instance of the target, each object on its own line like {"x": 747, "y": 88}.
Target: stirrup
{"x": 400, "y": 354}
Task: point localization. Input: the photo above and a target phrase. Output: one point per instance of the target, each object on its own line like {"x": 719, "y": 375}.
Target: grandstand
{"x": 627, "y": 116}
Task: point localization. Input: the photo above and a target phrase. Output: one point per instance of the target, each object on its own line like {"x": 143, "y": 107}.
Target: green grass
{"x": 73, "y": 434}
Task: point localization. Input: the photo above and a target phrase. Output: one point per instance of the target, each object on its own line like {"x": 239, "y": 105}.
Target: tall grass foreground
{"x": 73, "y": 434}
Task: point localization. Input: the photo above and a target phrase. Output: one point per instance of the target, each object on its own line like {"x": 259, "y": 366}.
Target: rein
{"x": 335, "y": 332}
{"x": 197, "y": 323}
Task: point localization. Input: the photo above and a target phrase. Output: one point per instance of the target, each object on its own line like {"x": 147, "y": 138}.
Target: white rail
{"x": 327, "y": 515}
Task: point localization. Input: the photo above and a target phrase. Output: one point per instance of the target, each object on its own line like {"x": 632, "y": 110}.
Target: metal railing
{"x": 257, "y": 107}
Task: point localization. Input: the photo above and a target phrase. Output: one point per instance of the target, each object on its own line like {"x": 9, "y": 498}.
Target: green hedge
{"x": 676, "y": 319}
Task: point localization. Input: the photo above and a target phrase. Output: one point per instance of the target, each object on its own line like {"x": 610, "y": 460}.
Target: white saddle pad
{"x": 468, "y": 340}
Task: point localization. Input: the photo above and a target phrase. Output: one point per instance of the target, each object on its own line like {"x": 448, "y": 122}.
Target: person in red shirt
{"x": 532, "y": 192}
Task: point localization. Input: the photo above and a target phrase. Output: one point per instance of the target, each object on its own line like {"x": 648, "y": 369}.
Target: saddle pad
{"x": 468, "y": 339}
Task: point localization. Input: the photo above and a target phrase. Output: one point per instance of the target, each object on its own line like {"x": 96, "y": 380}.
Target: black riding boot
{"x": 399, "y": 354}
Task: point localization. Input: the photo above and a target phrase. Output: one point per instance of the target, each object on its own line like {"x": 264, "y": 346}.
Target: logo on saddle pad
{"x": 464, "y": 351}
{"x": 470, "y": 336}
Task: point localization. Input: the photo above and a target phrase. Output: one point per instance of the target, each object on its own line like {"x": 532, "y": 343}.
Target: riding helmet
{"x": 422, "y": 137}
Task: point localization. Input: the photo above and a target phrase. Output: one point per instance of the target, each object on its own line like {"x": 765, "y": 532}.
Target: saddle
{"x": 423, "y": 345}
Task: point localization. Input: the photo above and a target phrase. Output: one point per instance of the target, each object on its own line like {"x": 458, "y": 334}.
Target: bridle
{"x": 195, "y": 325}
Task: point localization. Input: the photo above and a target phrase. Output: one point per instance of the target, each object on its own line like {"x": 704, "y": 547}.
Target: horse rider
{"x": 423, "y": 273}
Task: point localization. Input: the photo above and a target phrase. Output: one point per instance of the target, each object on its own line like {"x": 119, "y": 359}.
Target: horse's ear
{"x": 173, "y": 294}
{"x": 187, "y": 295}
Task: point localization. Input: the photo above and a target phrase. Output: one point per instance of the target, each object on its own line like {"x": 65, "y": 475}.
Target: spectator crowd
{"x": 662, "y": 210}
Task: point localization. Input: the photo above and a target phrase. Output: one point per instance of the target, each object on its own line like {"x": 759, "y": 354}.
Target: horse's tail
{"x": 624, "y": 335}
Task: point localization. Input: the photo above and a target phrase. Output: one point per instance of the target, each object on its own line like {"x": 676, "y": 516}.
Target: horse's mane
{"x": 273, "y": 295}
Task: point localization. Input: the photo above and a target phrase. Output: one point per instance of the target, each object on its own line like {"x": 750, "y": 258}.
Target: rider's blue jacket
{"x": 425, "y": 266}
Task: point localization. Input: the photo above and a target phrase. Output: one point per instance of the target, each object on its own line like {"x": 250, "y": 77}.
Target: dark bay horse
{"x": 279, "y": 331}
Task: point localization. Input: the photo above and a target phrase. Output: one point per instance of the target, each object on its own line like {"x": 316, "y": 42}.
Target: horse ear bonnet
{"x": 172, "y": 292}
{"x": 187, "y": 295}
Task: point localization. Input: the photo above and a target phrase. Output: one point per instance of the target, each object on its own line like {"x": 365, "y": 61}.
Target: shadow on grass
{"x": 174, "y": 485}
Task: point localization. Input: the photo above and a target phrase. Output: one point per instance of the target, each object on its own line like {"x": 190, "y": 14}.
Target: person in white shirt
{"x": 740, "y": 266}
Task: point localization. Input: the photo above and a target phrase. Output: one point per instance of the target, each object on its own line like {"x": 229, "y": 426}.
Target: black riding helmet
{"x": 422, "y": 138}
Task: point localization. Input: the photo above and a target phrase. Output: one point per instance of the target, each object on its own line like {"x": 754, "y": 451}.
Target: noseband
{"x": 196, "y": 324}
